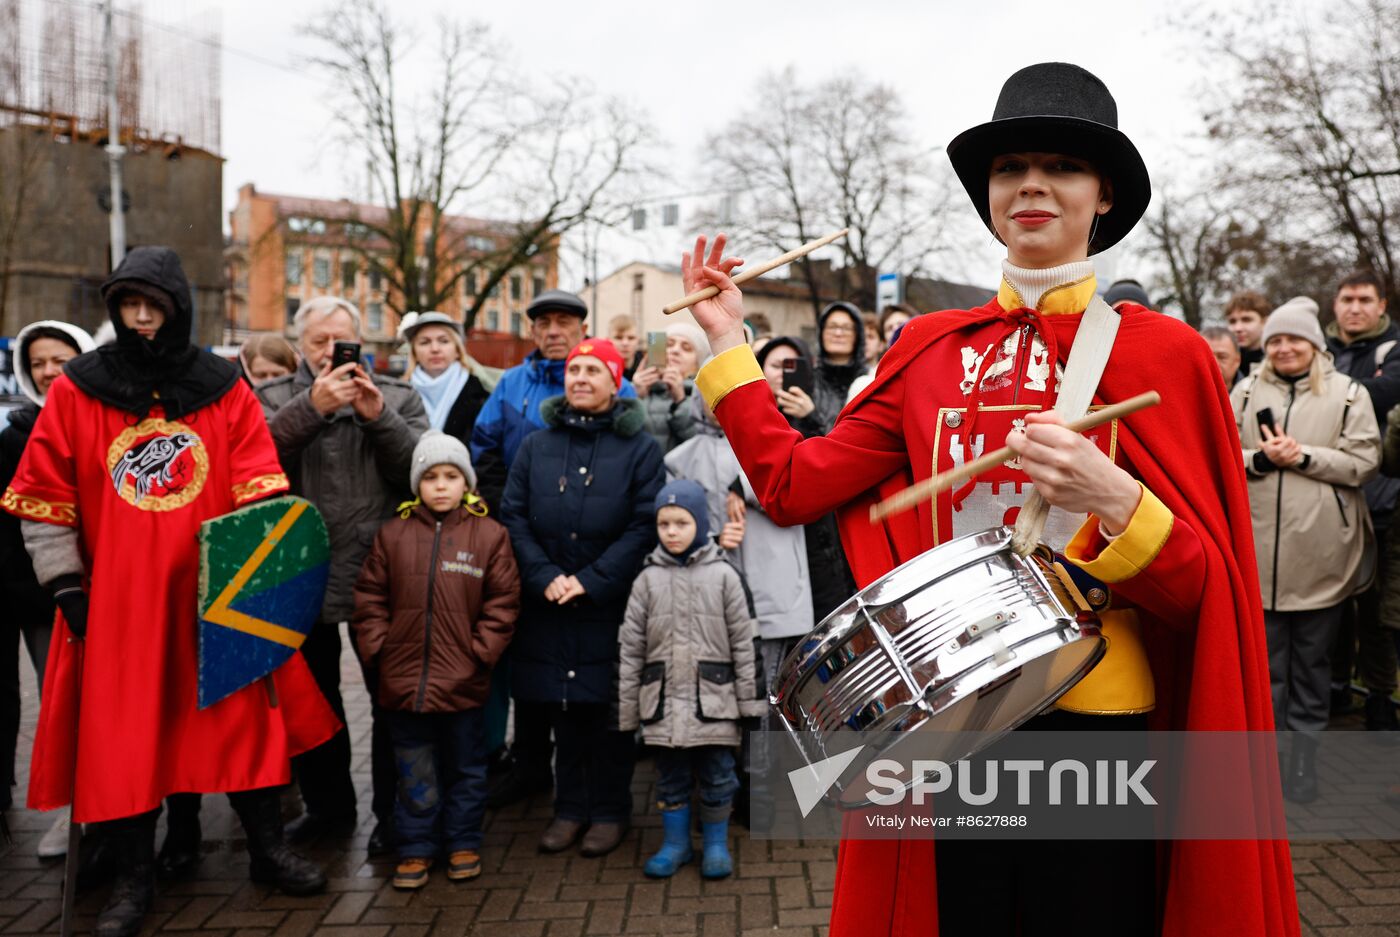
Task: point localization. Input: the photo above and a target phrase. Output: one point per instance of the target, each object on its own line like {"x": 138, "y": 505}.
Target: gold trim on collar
{"x": 1067, "y": 299}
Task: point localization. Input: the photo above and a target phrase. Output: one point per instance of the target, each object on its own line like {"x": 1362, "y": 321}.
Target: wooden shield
{"x": 262, "y": 578}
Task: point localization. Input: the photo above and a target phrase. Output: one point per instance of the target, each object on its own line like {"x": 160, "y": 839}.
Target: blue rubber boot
{"x": 716, "y": 862}
{"x": 675, "y": 848}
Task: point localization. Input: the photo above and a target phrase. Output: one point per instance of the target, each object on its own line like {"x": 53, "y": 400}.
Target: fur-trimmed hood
{"x": 627, "y": 418}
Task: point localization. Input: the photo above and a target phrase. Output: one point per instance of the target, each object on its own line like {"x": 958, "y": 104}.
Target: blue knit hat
{"x": 686, "y": 494}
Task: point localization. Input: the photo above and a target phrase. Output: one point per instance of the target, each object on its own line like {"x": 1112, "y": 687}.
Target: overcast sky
{"x": 691, "y": 65}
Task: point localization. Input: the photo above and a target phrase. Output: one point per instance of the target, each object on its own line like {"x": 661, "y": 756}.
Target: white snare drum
{"x": 966, "y": 638}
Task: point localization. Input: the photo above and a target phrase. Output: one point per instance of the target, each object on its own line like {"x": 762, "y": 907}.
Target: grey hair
{"x": 1211, "y": 332}
{"x": 322, "y": 306}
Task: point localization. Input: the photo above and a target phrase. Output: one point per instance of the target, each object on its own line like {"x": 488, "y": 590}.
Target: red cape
{"x": 127, "y": 715}
{"x": 1212, "y": 678}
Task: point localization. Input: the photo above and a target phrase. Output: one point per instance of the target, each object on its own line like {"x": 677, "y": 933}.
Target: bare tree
{"x": 811, "y": 159}
{"x": 1310, "y": 122}
{"x": 542, "y": 161}
{"x": 20, "y": 151}
{"x": 1209, "y": 247}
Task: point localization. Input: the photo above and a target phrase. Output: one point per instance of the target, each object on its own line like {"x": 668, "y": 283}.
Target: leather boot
{"x": 1301, "y": 786}
{"x": 560, "y": 834}
{"x": 602, "y": 838}
{"x": 133, "y": 839}
{"x": 271, "y": 859}
{"x": 179, "y": 854}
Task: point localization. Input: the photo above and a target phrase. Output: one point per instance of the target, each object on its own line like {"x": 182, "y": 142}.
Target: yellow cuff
{"x": 1132, "y": 551}
{"x": 726, "y": 371}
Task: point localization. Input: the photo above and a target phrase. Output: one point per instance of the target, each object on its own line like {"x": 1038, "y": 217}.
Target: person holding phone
{"x": 787, "y": 366}
{"x": 1310, "y": 442}
{"x": 667, "y": 380}
{"x": 345, "y": 437}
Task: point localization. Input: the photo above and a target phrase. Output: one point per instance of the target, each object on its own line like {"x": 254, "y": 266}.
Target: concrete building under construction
{"x": 54, "y": 185}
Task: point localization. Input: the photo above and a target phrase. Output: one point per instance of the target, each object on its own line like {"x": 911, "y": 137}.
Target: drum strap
{"x": 1087, "y": 358}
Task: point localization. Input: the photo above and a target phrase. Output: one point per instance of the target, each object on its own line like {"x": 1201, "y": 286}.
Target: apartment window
{"x": 515, "y": 324}
{"x": 348, "y": 268}
{"x": 639, "y": 219}
{"x": 536, "y": 286}
{"x": 517, "y": 286}
{"x": 376, "y": 318}
{"x": 292, "y": 305}
{"x": 376, "y": 279}
{"x": 495, "y": 290}
{"x": 321, "y": 271}
{"x": 468, "y": 286}
{"x": 493, "y": 320}
{"x": 294, "y": 264}
{"x": 356, "y": 231}
{"x": 478, "y": 243}
{"x": 306, "y": 225}
{"x": 670, "y": 215}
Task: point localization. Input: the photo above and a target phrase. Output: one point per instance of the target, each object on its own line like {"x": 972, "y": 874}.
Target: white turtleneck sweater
{"x": 1031, "y": 285}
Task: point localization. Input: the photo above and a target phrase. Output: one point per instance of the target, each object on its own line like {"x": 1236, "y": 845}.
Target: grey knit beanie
{"x": 437, "y": 448}
{"x": 1297, "y": 317}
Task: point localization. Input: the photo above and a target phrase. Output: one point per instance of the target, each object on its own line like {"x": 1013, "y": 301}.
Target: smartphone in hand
{"x": 1265, "y": 418}
{"x": 797, "y": 372}
{"x": 345, "y": 353}
{"x": 656, "y": 349}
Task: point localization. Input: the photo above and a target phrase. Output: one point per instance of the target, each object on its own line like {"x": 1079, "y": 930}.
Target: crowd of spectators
{"x": 567, "y": 555}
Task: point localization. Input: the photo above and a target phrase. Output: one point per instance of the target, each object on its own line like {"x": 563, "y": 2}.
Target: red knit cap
{"x": 605, "y": 351}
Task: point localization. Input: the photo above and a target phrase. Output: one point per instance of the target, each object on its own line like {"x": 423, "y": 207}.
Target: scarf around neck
{"x": 440, "y": 393}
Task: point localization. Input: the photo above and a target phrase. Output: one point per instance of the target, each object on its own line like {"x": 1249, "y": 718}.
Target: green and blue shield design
{"x": 262, "y": 578}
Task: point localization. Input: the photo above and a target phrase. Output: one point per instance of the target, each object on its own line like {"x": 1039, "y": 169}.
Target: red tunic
{"x": 138, "y": 491}
{"x": 1200, "y": 605}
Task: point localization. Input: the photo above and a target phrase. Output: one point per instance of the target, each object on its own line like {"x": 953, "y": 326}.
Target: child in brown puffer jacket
{"x": 435, "y": 607}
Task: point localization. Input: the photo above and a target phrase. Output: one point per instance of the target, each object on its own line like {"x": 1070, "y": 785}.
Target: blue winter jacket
{"x": 579, "y": 502}
{"x": 512, "y": 412}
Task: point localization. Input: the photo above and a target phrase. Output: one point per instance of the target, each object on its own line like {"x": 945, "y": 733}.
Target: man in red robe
{"x": 1153, "y": 506}
{"x": 141, "y": 442}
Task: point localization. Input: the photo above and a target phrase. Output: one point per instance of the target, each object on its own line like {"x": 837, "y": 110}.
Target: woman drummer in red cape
{"x": 1153, "y": 506}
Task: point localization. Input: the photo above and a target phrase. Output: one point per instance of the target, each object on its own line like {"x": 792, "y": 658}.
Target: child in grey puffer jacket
{"x": 687, "y": 675}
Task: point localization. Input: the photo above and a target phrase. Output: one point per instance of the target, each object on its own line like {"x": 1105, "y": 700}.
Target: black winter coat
{"x": 461, "y": 419}
{"x": 22, "y": 596}
{"x": 579, "y": 501}
{"x": 833, "y": 381}
{"x": 1373, "y": 361}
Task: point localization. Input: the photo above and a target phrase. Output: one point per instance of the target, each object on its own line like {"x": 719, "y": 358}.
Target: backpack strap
{"x": 1383, "y": 351}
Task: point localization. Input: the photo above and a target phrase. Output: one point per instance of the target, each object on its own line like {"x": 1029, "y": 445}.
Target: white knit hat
{"x": 437, "y": 448}
{"x": 693, "y": 334}
{"x": 1297, "y": 317}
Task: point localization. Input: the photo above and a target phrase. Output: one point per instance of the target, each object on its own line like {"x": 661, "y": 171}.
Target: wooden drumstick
{"x": 758, "y": 271}
{"x": 932, "y": 487}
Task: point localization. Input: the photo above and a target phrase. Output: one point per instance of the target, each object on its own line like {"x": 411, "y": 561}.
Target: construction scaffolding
{"x": 53, "y": 71}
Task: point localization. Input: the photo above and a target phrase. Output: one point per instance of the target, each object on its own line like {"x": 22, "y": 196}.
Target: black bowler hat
{"x": 1055, "y": 107}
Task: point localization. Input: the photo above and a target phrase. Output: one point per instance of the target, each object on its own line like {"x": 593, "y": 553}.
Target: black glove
{"x": 73, "y": 602}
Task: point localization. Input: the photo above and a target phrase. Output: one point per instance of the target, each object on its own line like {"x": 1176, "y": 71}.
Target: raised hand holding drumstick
{"x": 1073, "y": 474}
{"x": 721, "y": 316}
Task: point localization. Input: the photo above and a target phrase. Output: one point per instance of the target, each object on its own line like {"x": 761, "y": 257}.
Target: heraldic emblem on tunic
{"x": 158, "y": 465}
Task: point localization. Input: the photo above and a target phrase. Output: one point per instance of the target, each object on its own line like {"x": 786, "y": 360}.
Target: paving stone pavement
{"x": 779, "y": 889}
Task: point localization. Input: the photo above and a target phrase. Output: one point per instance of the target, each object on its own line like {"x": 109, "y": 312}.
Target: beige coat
{"x": 1311, "y": 527}
{"x": 687, "y": 669}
